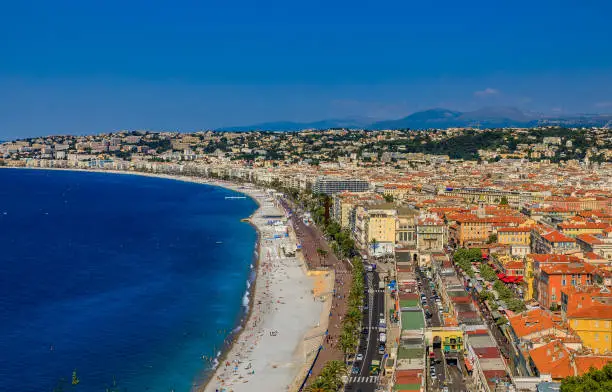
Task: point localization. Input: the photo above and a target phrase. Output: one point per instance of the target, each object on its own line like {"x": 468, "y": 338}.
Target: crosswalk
{"x": 376, "y": 291}
{"x": 363, "y": 379}
{"x": 374, "y": 328}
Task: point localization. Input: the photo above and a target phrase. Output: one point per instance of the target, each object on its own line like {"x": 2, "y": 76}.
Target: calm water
{"x": 116, "y": 276}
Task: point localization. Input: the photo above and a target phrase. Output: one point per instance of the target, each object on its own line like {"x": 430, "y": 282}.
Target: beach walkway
{"x": 311, "y": 239}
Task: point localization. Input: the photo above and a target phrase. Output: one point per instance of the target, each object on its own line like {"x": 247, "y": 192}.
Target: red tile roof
{"x": 589, "y": 239}
{"x": 555, "y": 236}
{"x": 568, "y": 268}
{"x": 552, "y": 358}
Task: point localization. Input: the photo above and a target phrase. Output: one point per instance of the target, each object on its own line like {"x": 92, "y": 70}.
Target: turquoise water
{"x": 120, "y": 277}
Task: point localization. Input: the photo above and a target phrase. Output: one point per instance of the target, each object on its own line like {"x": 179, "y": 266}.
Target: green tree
{"x": 320, "y": 384}
{"x": 504, "y": 201}
{"x": 592, "y": 381}
{"x": 501, "y": 321}
{"x": 388, "y": 198}
{"x": 487, "y": 273}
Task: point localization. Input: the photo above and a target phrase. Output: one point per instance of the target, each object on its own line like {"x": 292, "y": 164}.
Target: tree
{"x": 492, "y": 239}
{"x": 374, "y": 244}
{"x": 348, "y": 342}
{"x": 504, "y": 201}
{"x": 388, "y": 198}
{"x": 592, "y": 381}
{"x": 320, "y": 384}
{"x": 501, "y": 321}
{"x": 487, "y": 273}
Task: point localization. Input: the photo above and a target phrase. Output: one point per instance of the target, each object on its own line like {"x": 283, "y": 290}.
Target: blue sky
{"x": 98, "y": 66}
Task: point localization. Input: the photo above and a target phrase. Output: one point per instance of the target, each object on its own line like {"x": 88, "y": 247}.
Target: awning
{"x": 510, "y": 279}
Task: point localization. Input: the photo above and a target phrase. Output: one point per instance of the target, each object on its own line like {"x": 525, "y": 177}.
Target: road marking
{"x": 363, "y": 379}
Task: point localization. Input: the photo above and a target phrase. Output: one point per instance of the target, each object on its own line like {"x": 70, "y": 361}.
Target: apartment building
{"x": 552, "y": 242}
{"x": 588, "y": 310}
{"x": 553, "y": 277}
{"x": 332, "y": 185}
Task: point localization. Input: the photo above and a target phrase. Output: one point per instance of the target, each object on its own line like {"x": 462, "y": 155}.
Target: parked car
{"x": 359, "y": 357}
{"x": 355, "y": 370}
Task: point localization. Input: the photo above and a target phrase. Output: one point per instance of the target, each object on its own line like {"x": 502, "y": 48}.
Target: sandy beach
{"x": 271, "y": 350}
{"x": 288, "y": 309}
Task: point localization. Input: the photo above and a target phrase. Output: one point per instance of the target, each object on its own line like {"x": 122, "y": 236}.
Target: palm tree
{"x": 353, "y": 315}
{"x": 348, "y": 342}
{"x": 333, "y": 371}
{"x": 374, "y": 243}
{"x": 320, "y": 384}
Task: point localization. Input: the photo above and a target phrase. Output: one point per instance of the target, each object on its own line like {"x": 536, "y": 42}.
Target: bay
{"x": 122, "y": 277}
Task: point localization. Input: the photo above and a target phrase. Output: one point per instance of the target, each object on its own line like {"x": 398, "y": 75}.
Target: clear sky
{"x": 98, "y": 66}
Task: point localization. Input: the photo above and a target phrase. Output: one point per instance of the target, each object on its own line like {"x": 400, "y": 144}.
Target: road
{"x": 435, "y": 320}
{"x": 368, "y": 345}
{"x": 446, "y": 375}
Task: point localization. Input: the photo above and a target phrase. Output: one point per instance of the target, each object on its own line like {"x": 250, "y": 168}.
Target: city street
{"x": 368, "y": 345}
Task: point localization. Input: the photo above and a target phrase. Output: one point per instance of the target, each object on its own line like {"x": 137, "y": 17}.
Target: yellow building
{"x": 588, "y": 311}
{"x": 529, "y": 279}
{"x": 375, "y": 228}
{"x": 595, "y": 331}
{"x": 398, "y": 191}
{"x": 514, "y": 235}
{"x": 573, "y": 229}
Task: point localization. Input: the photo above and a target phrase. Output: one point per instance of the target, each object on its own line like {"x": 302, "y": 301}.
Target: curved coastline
{"x": 200, "y": 383}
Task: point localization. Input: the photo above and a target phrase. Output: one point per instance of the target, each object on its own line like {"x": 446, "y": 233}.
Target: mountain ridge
{"x": 486, "y": 117}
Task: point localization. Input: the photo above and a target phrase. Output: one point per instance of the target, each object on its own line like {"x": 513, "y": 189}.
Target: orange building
{"x": 552, "y": 278}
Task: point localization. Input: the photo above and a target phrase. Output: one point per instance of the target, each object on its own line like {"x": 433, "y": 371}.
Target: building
{"x": 553, "y": 277}
{"x": 588, "y": 310}
{"x": 332, "y": 185}
{"x": 476, "y": 229}
{"x": 432, "y": 233}
{"x": 551, "y": 242}
{"x": 405, "y": 231}
{"x": 598, "y": 244}
{"x": 375, "y": 228}
{"x": 572, "y": 229}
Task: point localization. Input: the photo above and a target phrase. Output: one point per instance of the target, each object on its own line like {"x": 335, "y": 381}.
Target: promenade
{"x": 311, "y": 239}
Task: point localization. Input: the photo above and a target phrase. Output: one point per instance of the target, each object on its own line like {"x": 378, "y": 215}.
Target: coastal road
{"x": 368, "y": 345}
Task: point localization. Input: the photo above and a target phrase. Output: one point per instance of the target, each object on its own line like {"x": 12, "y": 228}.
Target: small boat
{"x": 219, "y": 242}
{"x": 234, "y": 197}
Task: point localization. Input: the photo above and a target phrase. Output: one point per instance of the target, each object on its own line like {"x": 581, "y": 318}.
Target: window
{"x": 596, "y": 324}
{"x": 596, "y": 336}
{"x": 575, "y": 323}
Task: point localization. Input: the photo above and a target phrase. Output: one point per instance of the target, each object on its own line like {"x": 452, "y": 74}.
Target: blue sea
{"x": 119, "y": 277}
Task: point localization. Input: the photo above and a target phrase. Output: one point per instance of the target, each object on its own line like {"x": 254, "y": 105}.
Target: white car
{"x": 359, "y": 357}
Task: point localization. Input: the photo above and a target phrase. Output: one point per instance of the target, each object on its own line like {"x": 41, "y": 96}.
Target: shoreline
{"x": 237, "y": 335}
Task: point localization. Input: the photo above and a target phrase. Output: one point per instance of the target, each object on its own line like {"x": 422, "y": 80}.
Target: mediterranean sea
{"x": 117, "y": 277}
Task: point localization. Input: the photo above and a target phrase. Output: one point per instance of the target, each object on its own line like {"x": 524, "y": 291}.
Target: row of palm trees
{"x": 330, "y": 379}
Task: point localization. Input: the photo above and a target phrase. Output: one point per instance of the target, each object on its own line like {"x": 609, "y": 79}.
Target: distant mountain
{"x": 432, "y": 118}
{"x": 487, "y": 117}
{"x": 290, "y": 126}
